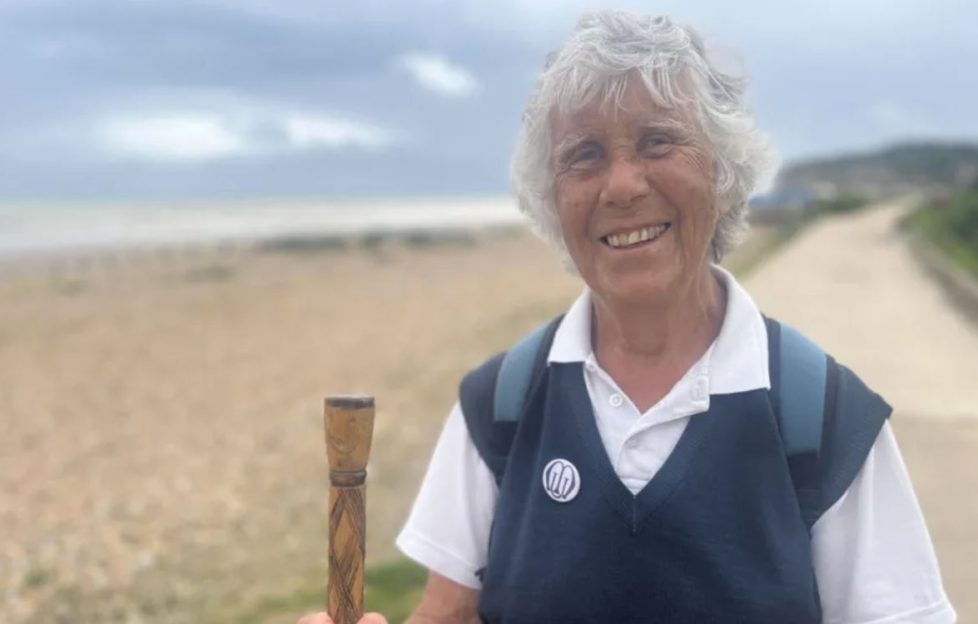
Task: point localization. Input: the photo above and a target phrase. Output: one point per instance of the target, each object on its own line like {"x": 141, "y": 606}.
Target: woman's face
{"x": 635, "y": 196}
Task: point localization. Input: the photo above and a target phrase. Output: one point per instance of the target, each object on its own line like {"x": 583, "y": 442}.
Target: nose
{"x": 625, "y": 182}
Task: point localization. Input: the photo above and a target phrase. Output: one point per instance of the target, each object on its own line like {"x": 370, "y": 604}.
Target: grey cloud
{"x": 817, "y": 72}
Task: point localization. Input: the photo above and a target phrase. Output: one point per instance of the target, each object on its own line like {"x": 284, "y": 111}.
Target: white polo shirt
{"x": 873, "y": 557}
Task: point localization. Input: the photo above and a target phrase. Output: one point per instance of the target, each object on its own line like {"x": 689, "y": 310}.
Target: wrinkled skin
{"x": 638, "y": 165}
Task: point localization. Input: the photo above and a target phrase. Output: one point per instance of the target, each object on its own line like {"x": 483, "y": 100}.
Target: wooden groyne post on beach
{"x": 349, "y": 423}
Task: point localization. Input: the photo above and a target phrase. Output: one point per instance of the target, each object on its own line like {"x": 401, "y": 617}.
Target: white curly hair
{"x": 595, "y": 63}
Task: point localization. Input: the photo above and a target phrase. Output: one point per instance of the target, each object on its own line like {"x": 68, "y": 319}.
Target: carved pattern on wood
{"x": 346, "y": 552}
{"x": 349, "y": 426}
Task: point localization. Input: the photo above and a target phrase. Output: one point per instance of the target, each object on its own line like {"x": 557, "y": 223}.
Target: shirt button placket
{"x": 616, "y": 400}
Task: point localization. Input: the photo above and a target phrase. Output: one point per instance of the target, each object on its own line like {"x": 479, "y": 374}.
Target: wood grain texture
{"x": 349, "y": 428}
{"x": 347, "y": 542}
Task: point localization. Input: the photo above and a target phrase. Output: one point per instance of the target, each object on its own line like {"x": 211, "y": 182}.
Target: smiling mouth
{"x": 636, "y": 237}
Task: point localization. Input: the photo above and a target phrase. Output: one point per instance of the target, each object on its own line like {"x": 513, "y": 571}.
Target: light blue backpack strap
{"x": 828, "y": 418}
{"x": 515, "y": 375}
{"x": 802, "y": 373}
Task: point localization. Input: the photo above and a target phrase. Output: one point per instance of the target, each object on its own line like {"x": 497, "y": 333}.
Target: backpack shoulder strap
{"x": 800, "y": 372}
{"x": 860, "y": 413}
{"x": 476, "y": 397}
{"x": 516, "y": 372}
{"x": 494, "y": 395}
{"x": 827, "y": 417}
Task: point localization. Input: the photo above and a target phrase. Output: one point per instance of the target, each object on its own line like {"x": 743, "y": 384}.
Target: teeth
{"x": 636, "y": 236}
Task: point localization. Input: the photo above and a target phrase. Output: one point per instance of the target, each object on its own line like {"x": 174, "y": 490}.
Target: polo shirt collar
{"x": 737, "y": 359}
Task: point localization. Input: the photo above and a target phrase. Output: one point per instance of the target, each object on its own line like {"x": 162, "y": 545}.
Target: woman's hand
{"x": 323, "y": 618}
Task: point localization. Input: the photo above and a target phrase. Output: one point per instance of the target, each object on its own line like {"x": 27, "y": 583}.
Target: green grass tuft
{"x": 392, "y": 588}
{"x": 843, "y": 204}
{"x": 953, "y": 228}
{"x": 36, "y": 577}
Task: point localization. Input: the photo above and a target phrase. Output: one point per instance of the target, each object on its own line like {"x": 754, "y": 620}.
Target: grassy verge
{"x": 843, "y": 204}
{"x": 953, "y": 228}
{"x": 392, "y": 588}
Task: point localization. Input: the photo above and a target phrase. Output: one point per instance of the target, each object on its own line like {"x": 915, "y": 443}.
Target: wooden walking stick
{"x": 349, "y": 424}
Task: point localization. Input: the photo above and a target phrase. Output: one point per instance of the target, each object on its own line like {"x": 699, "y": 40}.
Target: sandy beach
{"x": 163, "y": 459}
{"x": 163, "y": 449}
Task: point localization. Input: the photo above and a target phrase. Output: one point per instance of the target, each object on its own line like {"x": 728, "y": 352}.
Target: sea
{"x": 32, "y": 229}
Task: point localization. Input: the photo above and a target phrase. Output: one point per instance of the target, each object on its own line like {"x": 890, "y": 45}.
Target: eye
{"x": 655, "y": 144}
{"x": 583, "y": 155}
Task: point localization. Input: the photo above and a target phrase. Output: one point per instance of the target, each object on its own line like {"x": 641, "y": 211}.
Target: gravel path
{"x": 851, "y": 285}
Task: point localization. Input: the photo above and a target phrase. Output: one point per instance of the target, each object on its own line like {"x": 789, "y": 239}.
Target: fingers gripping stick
{"x": 349, "y": 424}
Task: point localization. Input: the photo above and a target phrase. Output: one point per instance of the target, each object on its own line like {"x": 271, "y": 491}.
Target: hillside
{"x": 903, "y": 168}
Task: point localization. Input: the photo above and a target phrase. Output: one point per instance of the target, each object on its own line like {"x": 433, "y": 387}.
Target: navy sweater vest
{"x": 715, "y": 536}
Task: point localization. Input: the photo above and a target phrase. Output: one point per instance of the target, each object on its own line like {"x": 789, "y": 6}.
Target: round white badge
{"x": 561, "y": 480}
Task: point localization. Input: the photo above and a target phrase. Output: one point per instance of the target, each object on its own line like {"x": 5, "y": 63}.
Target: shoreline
{"x": 85, "y": 260}
{"x": 89, "y": 229}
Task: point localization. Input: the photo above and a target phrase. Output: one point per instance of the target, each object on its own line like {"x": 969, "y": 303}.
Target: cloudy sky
{"x": 315, "y": 98}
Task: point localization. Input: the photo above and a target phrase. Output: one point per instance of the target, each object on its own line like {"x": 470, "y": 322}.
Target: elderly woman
{"x": 662, "y": 452}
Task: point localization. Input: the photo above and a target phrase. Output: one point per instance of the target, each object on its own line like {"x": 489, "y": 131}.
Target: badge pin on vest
{"x": 561, "y": 480}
